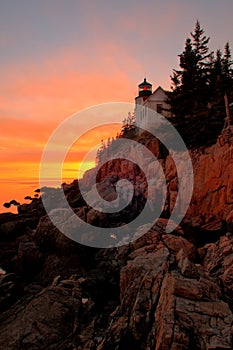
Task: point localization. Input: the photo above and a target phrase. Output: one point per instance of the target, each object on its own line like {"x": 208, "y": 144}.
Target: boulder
{"x": 10, "y": 290}
{"x": 29, "y": 258}
{"x": 169, "y": 302}
{"x": 45, "y": 322}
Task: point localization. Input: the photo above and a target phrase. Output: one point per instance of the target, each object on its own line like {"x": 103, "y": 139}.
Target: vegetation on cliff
{"x": 199, "y": 90}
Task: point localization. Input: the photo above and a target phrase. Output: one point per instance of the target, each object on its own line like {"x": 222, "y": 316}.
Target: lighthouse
{"x": 144, "y": 89}
{"x": 148, "y": 102}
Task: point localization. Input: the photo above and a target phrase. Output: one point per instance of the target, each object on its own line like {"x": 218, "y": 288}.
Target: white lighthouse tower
{"x": 150, "y": 103}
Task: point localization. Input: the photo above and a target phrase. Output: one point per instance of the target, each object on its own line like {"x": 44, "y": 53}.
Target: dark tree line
{"x": 198, "y": 90}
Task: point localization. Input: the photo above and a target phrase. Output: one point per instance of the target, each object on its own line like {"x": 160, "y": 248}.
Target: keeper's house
{"x": 150, "y": 102}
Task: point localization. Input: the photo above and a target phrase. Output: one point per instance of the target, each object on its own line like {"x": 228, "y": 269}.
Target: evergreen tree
{"x": 216, "y": 113}
{"x": 182, "y": 82}
{"x": 190, "y": 85}
{"x": 197, "y": 90}
{"x": 221, "y": 85}
{"x": 128, "y": 126}
{"x": 216, "y": 78}
{"x": 200, "y": 48}
{"x": 227, "y": 70}
{"x": 203, "y": 69}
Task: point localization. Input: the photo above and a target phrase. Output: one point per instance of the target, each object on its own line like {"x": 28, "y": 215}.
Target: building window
{"x": 159, "y": 108}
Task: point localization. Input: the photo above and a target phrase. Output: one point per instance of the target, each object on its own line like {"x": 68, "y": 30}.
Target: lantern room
{"x": 144, "y": 89}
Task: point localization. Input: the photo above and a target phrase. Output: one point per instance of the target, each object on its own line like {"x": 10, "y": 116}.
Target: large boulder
{"x": 29, "y": 258}
{"x": 45, "y": 321}
{"x": 168, "y": 301}
{"x": 10, "y": 290}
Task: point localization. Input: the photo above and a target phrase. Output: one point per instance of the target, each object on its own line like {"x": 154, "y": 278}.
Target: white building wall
{"x": 142, "y": 109}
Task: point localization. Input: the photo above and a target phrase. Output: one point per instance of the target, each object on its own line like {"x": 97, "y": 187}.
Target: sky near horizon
{"x": 58, "y": 57}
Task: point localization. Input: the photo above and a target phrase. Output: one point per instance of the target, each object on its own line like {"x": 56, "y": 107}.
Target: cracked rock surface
{"x": 158, "y": 292}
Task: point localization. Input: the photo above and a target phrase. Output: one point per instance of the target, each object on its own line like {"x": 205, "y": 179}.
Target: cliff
{"x": 212, "y": 198}
{"x": 160, "y": 291}
{"x": 213, "y": 192}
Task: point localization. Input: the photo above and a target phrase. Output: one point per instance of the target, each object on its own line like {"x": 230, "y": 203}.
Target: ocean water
{"x": 18, "y": 189}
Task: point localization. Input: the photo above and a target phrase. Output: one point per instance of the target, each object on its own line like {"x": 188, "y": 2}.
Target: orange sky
{"x": 33, "y": 105}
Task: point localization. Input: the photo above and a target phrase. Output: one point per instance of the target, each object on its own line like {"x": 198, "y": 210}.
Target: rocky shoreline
{"x": 160, "y": 291}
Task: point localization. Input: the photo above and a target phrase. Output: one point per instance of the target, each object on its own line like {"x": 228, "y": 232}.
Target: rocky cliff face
{"x": 212, "y": 199}
{"x": 159, "y": 292}
{"x": 213, "y": 185}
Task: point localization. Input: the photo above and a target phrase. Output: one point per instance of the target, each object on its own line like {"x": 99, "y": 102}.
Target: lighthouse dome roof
{"x": 145, "y": 82}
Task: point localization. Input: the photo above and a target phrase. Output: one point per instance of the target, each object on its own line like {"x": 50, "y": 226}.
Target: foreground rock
{"x": 159, "y": 292}
{"x": 43, "y": 322}
{"x": 10, "y": 290}
{"x": 169, "y": 302}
